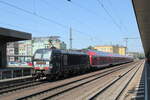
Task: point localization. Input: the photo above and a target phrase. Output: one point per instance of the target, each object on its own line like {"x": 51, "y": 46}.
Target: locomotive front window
{"x": 42, "y": 55}
{"x": 38, "y": 56}
{"x": 47, "y": 55}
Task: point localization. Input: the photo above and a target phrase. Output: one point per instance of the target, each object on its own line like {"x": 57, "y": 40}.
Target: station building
{"x": 112, "y": 49}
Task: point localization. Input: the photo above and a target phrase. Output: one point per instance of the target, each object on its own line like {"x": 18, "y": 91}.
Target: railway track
{"x": 27, "y": 83}
{"x": 14, "y": 84}
{"x": 101, "y": 94}
{"x": 7, "y": 83}
{"x": 19, "y": 86}
{"x": 102, "y": 87}
{"x": 61, "y": 89}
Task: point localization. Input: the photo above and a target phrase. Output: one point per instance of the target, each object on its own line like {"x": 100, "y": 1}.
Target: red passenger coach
{"x": 102, "y": 59}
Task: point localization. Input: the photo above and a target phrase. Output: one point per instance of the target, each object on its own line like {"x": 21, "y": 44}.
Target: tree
{"x": 89, "y": 47}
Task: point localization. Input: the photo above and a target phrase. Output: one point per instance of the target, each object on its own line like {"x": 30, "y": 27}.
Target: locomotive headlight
{"x": 34, "y": 63}
{"x": 47, "y": 63}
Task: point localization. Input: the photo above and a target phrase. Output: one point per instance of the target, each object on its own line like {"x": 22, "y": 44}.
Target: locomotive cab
{"x": 42, "y": 62}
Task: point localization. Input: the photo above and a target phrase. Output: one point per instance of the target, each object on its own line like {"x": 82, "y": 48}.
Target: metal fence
{"x": 15, "y": 72}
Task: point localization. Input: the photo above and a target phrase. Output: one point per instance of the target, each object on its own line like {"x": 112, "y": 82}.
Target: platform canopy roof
{"x": 9, "y": 35}
{"x": 142, "y": 13}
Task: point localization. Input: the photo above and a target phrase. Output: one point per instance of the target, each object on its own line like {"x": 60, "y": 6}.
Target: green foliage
{"x": 89, "y": 47}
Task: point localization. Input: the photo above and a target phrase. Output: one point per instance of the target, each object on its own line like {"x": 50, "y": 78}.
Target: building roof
{"x": 9, "y": 35}
{"x": 141, "y": 9}
{"x": 109, "y": 46}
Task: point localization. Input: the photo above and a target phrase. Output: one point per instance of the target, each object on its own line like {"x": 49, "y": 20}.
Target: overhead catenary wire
{"x": 94, "y": 13}
{"x": 83, "y": 23}
{"x": 121, "y": 23}
{"x": 32, "y": 13}
{"x": 87, "y": 10}
{"x": 10, "y": 25}
{"x": 118, "y": 25}
{"x": 39, "y": 16}
{"x": 84, "y": 8}
{"x": 111, "y": 17}
{"x": 16, "y": 26}
{"x": 34, "y": 6}
{"x": 48, "y": 4}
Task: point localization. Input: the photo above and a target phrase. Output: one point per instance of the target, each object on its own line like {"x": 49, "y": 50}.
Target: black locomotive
{"x": 55, "y": 62}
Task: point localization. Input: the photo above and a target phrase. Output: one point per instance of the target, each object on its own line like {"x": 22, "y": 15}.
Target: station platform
{"x": 147, "y": 81}
{"x": 144, "y": 84}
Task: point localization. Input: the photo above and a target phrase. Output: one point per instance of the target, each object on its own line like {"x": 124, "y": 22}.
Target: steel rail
{"x": 61, "y": 86}
{"x": 113, "y": 82}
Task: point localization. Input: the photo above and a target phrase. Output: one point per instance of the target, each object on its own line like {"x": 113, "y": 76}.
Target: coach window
{"x": 103, "y": 60}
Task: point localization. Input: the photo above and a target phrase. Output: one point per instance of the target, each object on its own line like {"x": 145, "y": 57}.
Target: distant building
{"x": 112, "y": 49}
{"x": 122, "y": 50}
{"x": 12, "y": 49}
{"x": 30, "y": 46}
{"x": 44, "y": 42}
{"x": 25, "y": 48}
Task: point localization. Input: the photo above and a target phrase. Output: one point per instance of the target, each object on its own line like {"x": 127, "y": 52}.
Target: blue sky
{"x": 91, "y": 24}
